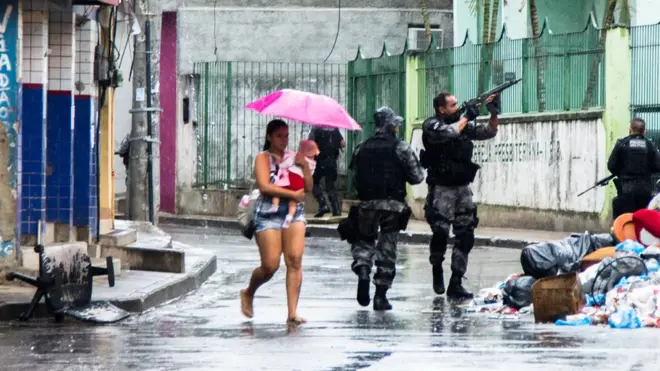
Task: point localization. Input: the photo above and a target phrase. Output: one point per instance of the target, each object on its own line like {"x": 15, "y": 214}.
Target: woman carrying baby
{"x": 272, "y": 238}
{"x": 291, "y": 176}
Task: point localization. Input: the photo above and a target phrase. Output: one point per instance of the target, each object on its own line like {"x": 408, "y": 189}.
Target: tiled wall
{"x": 86, "y": 120}
{"x": 60, "y": 121}
{"x": 33, "y": 149}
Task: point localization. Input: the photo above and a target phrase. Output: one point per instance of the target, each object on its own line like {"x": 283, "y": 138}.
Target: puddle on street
{"x": 205, "y": 330}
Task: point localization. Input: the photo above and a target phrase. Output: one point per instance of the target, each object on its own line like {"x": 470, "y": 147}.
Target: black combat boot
{"x": 380, "y": 300}
{"x": 364, "y": 281}
{"x": 438, "y": 249}
{"x": 323, "y": 208}
{"x": 336, "y": 209}
{"x": 456, "y": 291}
{"x": 438, "y": 279}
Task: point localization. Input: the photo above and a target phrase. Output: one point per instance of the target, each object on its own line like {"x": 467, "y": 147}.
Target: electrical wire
{"x": 338, "y": 28}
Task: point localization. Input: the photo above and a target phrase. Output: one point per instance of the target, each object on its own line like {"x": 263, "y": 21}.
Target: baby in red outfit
{"x": 290, "y": 176}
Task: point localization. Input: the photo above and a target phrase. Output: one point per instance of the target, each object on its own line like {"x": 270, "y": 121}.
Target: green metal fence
{"x": 373, "y": 83}
{"x": 644, "y": 75}
{"x": 559, "y": 66}
{"x": 229, "y": 135}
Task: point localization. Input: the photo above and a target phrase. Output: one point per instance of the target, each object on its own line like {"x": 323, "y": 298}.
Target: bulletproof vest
{"x": 327, "y": 149}
{"x": 636, "y": 158}
{"x": 379, "y": 174}
{"x": 449, "y": 163}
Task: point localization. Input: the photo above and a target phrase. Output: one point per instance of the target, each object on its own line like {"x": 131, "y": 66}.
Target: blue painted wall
{"x": 84, "y": 166}
{"x": 59, "y": 178}
{"x": 33, "y": 153}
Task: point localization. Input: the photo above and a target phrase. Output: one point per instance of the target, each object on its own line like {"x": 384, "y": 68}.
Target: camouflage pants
{"x": 382, "y": 246}
{"x": 445, "y": 207}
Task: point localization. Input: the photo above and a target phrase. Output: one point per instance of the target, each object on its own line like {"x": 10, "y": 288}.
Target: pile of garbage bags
{"x": 552, "y": 258}
{"x": 621, "y": 291}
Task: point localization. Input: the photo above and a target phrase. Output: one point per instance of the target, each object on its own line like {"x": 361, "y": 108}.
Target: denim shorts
{"x": 264, "y": 220}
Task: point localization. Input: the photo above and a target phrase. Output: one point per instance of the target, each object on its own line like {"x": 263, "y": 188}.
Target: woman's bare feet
{"x": 295, "y": 320}
{"x": 246, "y": 304}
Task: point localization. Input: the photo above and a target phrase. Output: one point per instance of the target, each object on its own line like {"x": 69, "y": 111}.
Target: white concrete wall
{"x": 186, "y": 146}
{"x": 645, "y": 12}
{"x": 287, "y": 33}
{"x": 275, "y": 30}
{"x": 540, "y": 165}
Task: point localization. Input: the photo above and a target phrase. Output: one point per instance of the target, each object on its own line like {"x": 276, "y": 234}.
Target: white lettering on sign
{"x": 6, "y": 101}
{"x": 542, "y": 165}
{"x": 5, "y": 19}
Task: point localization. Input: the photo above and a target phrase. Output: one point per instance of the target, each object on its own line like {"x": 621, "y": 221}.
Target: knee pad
{"x": 440, "y": 237}
{"x": 465, "y": 240}
{"x": 385, "y": 264}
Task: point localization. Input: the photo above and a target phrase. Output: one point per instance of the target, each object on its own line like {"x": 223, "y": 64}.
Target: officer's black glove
{"x": 471, "y": 113}
{"x": 495, "y": 106}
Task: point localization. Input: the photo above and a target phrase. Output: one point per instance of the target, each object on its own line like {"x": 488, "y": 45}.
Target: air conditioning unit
{"x": 417, "y": 38}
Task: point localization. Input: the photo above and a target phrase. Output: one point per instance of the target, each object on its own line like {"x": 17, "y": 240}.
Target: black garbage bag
{"x": 547, "y": 259}
{"x": 517, "y": 292}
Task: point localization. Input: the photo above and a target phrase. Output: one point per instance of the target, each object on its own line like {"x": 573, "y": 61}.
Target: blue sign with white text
{"x": 9, "y": 96}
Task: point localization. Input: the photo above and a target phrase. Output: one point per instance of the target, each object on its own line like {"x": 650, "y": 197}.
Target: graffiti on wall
{"x": 540, "y": 165}
{"x": 9, "y": 93}
{"x": 517, "y": 151}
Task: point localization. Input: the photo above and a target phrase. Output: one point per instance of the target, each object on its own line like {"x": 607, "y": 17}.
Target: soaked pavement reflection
{"x": 205, "y": 330}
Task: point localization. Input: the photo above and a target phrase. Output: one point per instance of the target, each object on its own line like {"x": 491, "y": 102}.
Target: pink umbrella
{"x": 310, "y": 108}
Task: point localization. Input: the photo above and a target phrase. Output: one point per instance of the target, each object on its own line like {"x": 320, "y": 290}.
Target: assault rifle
{"x": 481, "y": 98}
{"x": 599, "y": 183}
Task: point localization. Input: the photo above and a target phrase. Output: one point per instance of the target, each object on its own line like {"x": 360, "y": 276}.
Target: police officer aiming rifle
{"x": 447, "y": 155}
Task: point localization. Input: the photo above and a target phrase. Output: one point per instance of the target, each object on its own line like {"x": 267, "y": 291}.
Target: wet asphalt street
{"x": 205, "y": 330}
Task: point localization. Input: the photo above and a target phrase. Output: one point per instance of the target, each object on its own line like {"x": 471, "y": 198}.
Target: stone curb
{"x": 138, "y": 301}
{"x": 330, "y": 230}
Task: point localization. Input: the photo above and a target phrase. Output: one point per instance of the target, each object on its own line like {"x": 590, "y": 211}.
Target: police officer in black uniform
{"x": 633, "y": 160}
{"x": 447, "y": 137}
{"x": 329, "y": 142}
{"x": 381, "y": 166}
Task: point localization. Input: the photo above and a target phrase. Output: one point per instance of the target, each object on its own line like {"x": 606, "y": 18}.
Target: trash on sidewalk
{"x": 557, "y": 297}
{"x": 517, "y": 292}
{"x": 587, "y": 279}
{"x": 65, "y": 283}
{"x": 547, "y": 259}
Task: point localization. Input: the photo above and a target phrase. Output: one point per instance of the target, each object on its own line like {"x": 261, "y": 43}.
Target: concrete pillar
{"x": 60, "y": 123}
{"x": 33, "y": 128}
{"x": 616, "y": 116}
{"x": 186, "y": 136}
{"x": 84, "y": 132}
{"x": 10, "y": 141}
{"x": 415, "y": 83}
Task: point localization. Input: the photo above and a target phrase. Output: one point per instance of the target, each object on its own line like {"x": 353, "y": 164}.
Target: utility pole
{"x": 141, "y": 189}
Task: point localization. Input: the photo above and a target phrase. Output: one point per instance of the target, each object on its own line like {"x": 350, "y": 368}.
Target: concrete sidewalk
{"x": 135, "y": 290}
{"x": 418, "y": 232}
